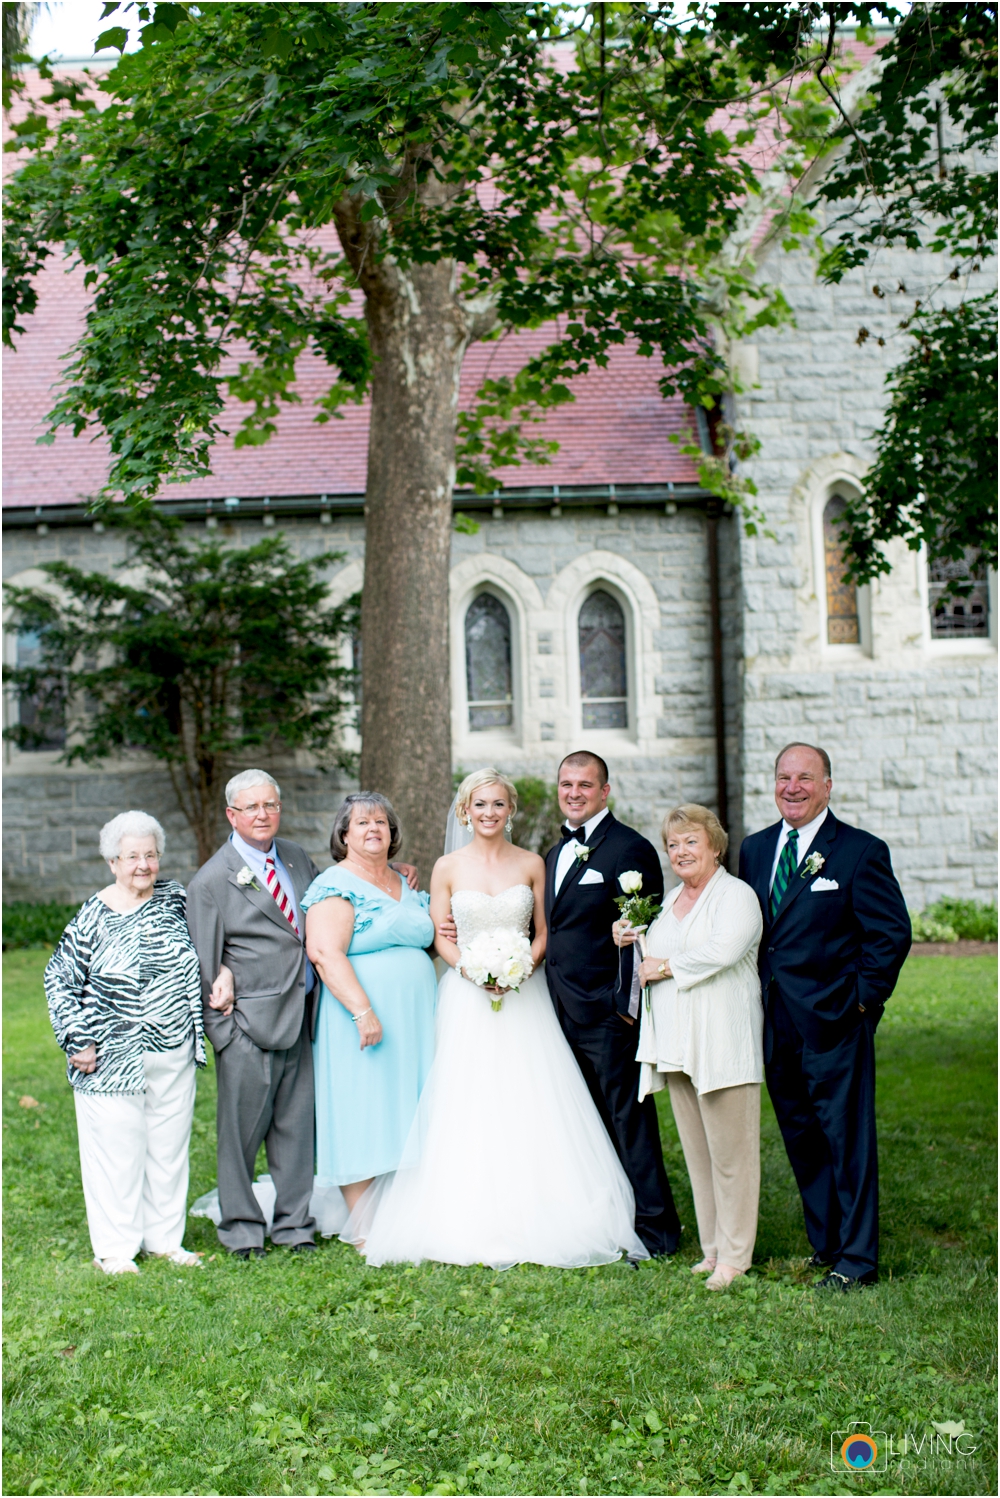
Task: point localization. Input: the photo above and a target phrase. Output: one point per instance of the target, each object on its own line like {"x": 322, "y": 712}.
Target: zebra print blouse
{"x": 125, "y": 984}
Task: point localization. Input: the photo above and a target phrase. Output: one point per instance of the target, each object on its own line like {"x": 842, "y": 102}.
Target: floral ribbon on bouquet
{"x": 639, "y": 911}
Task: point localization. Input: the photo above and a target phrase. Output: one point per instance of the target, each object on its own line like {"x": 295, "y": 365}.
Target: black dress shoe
{"x": 247, "y": 1253}
{"x": 302, "y": 1248}
{"x": 844, "y": 1282}
{"x": 819, "y": 1261}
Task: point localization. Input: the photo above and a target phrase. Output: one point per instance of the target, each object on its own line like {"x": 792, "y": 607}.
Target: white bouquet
{"x": 501, "y": 958}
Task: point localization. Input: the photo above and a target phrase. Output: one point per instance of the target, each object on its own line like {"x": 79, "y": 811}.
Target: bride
{"x": 507, "y": 1160}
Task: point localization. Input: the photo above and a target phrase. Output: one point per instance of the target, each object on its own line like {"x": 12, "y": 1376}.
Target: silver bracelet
{"x": 356, "y": 1017}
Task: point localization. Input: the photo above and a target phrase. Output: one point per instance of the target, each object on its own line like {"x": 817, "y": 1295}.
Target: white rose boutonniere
{"x": 581, "y": 852}
{"x": 812, "y": 865}
{"x": 246, "y": 878}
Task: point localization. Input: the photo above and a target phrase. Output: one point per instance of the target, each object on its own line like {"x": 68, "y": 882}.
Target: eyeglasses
{"x": 255, "y": 806}
{"x": 138, "y": 858}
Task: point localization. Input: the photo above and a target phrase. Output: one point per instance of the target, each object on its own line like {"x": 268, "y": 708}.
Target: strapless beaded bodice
{"x": 475, "y": 912}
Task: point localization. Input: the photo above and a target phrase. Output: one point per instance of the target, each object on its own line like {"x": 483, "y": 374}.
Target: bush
{"x": 971, "y": 920}
{"x": 926, "y": 928}
{"x": 27, "y": 925}
{"x": 955, "y": 920}
{"x": 538, "y": 818}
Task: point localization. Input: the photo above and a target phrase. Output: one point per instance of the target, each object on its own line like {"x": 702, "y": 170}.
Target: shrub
{"x": 926, "y": 928}
{"x": 26, "y": 925}
{"x": 970, "y": 919}
{"x": 538, "y": 819}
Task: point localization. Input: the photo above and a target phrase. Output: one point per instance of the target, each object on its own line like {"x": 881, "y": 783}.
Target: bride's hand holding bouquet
{"x": 497, "y": 961}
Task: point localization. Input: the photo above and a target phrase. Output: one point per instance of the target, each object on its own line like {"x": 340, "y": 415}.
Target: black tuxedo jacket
{"x": 830, "y": 950}
{"x": 581, "y": 959}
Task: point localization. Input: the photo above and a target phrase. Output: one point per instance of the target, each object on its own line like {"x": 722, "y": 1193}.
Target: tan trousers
{"x": 720, "y": 1136}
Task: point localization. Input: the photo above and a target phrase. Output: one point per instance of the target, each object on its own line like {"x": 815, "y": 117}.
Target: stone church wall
{"x": 910, "y": 722}
{"x": 541, "y": 565}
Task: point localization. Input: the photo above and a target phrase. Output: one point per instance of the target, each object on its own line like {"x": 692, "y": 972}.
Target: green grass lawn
{"x": 318, "y": 1375}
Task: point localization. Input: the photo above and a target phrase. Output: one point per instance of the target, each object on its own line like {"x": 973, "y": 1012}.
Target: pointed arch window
{"x": 843, "y": 625}
{"x": 488, "y": 673}
{"x": 603, "y": 670}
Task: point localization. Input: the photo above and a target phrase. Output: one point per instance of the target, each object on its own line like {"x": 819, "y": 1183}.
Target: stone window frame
{"x": 487, "y": 573}
{"x": 986, "y": 645}
{"x": 634, "y": 592}
{"x": 486, "y": 591}
{"x": 842, "y": 484}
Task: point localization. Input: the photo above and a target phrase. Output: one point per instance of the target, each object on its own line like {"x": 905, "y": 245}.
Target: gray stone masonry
{"x": 54, "y": 814}
{"x": 910, "y": 723}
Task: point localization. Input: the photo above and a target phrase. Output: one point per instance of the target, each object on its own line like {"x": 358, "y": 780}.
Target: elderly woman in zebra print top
{"x": 124, "y": 994}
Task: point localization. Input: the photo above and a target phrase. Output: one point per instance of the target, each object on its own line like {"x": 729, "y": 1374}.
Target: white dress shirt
{"x": 258, "y": 863}
{"x": 567, "y": 855}
{"x": 806, "y": 835}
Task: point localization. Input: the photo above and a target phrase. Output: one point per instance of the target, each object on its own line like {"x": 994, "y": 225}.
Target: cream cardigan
{"x": 707, "y": 1020}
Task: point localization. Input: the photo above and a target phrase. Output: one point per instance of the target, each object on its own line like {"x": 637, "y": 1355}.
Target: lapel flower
{"x": 812, "y": 865}
{"x": 245, "y": 877}
{"x": 581, "y": 852}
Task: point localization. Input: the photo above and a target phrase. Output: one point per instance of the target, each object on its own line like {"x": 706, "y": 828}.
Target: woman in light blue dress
{"x": 366, "y": 936}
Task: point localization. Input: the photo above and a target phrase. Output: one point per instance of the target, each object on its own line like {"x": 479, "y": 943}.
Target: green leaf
{"x": 115, "y": 36}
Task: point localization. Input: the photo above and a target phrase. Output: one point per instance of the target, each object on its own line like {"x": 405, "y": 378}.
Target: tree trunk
{"x": 419, "y": 334}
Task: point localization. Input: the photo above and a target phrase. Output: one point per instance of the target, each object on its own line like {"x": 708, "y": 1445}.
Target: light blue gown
{"x": 366, "y": 1100}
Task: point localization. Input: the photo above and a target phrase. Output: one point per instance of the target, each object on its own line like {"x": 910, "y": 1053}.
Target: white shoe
{"x": 117, "y": 1266}
{"x": 182, "y": 1257}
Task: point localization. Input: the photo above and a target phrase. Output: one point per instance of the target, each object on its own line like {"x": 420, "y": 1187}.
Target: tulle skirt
{"x": 507, "y": 1161}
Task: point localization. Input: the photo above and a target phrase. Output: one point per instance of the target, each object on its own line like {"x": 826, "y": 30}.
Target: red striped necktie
{"x": 282, "y": 901}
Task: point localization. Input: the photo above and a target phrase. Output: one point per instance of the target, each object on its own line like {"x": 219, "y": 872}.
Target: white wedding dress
{"x": 508, "y": 1161}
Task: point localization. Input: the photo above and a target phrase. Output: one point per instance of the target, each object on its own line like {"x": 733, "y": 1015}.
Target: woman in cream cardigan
{"x": 702, "y": 1034}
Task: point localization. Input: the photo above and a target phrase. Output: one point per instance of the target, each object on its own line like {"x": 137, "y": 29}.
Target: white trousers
{"x": 134, "y": 1158}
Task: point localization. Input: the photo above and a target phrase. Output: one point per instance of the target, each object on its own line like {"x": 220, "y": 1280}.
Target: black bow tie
{"x": 580, "y": 833}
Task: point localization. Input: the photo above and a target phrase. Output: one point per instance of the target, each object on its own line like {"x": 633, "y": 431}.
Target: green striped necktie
{"x": 787, "y": 864}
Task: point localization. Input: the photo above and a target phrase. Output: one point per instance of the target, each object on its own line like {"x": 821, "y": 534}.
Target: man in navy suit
{"x": 591, "y": 981}
{"x": 836, "y": 934}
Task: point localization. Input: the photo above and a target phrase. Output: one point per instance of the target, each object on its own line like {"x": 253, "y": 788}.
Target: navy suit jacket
{"x": 830, "y": 950}
{"x": 582, "y": 963}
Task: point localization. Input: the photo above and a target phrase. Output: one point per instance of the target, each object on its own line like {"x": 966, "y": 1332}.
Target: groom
{"x": 590, "y": 980}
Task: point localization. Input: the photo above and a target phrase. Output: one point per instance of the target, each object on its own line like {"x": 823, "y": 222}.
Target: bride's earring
{"x": 510, "y": 826}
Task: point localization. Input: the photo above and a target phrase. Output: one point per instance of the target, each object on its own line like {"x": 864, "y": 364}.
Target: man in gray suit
{"x": 243, "y": 909}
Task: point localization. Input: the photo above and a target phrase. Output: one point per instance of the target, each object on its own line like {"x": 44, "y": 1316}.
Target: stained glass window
{"x": 842, "y": 626}
{"x": 487, "y": 664}
{"x": 955, "y": 618}
{"x": 603, "y": 677}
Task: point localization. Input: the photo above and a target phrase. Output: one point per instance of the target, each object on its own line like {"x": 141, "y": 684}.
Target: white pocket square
{"x": 821, "y": 884}
{"x": 592, "y": 876}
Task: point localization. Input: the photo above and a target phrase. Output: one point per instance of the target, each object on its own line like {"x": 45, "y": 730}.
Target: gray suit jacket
{"x": 243, "y": 927}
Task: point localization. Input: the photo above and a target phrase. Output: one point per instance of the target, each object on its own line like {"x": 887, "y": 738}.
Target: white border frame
{"x": 938, "y": 648}
{"x": 487, "y": 573}
{"x": 634, "y": 592}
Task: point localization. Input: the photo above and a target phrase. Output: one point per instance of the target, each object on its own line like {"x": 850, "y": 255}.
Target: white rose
{"x": 245, "y": 876}
{"x": 630, "y": 881}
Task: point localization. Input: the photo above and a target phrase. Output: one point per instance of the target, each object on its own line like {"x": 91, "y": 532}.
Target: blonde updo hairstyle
{"x": 476, "y": 782}
{"x": 693, "y": 815}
